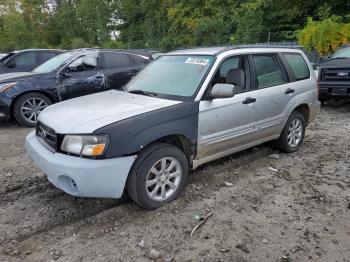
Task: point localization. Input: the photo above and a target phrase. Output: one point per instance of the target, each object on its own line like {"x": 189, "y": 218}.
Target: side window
{"x": 140, "y": 60}
{"x": 44, "y": 56}
{"x": 115, "y": 60}
{"x": 85, "y": 63}
{"x": 298, "y": 66}
{"x": 236, "y": 71}
{"x": 25, "y": 59}
{"x": 268, "y": 71}
{"x": 228, "y": 64}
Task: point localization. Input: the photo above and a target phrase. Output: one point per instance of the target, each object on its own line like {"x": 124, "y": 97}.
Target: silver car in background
{"x": 186, "y": 108}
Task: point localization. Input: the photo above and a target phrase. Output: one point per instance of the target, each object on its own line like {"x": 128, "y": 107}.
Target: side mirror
{"x": 11, "y": 64}
{"x": 222, "y": 91}
{"x": 324, "y": 58}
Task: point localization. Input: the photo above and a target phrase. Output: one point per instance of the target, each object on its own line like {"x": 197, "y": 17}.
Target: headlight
{"x": 7, "y": 86}
{"x": 84, "y": 145}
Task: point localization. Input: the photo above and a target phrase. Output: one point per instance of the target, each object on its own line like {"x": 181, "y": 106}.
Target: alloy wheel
{"x": 31, "y": 108}
{"x": 163, "y": 179}
{"x": 295, "y": 132}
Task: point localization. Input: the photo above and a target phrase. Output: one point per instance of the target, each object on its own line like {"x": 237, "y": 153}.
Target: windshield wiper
{"x": 142, "y": 92}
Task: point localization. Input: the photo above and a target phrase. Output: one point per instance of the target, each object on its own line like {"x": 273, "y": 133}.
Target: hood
{"x": 9, "y": 77}
{"x": 85, "y": 114}
{"x": 336, "y": 63}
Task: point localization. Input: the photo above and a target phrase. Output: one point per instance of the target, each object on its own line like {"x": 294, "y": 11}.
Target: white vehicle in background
{"x": 2, "y": 55}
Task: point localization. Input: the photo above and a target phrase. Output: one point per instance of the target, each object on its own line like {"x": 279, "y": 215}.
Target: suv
{"x": 71, "y": 74}
{"x": 334, "y": 75}
{"x": 186, "y": 108}
{"x": 26, "y": 60}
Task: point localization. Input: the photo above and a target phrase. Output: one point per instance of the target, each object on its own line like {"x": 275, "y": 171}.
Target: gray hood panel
{"x": 87, "y": 113}
{"x": 8, "y": 77}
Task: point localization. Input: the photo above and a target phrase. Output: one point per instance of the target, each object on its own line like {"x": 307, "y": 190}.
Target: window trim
{"x": 280, "y": 64}
{"x": 289, "y": 68}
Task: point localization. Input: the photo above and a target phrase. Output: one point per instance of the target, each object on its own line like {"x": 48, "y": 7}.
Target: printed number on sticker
{"x": 197, "y": 61}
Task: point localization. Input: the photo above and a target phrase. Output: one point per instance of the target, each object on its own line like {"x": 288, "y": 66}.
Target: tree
{"x": 324, "y": 36}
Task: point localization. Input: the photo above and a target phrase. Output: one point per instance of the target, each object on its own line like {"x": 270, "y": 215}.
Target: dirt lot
{"x": 279, "y": 207}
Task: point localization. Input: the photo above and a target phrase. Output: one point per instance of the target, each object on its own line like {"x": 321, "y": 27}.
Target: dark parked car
{"x": 334, "y": 75}
{"x": 26, "y": 60}
{"x": 71, "y": 74}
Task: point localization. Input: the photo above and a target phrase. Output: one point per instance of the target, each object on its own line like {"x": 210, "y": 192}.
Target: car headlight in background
{"x": 84, "y": 145}
{"x": 7, "y": 86}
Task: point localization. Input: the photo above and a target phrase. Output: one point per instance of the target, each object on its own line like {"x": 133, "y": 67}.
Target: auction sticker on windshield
{"x": 197, "y": 61}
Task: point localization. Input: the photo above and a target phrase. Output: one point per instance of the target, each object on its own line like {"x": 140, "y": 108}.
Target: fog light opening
{"x": 68, "y": 184}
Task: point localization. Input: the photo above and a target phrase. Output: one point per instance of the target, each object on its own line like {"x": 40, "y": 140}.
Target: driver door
{"x": 83, "y": 76}
{"x": 226, "y": 124}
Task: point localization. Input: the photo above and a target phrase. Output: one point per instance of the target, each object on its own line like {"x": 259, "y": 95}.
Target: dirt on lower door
{"x": 265, "y": 205}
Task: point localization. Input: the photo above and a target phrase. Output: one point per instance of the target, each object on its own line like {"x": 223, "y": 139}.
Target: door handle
{"x": 249, "y": 100}
{"x": 289, "y": 91}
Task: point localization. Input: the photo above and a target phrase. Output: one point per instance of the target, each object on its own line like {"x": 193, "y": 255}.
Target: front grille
{"x": 47, "y": 136}
{"x": 336, "y": 74}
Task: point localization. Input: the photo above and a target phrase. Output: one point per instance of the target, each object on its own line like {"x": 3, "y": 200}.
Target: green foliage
{"x": 162, "y": 24}
{"x": 325, "y": 36}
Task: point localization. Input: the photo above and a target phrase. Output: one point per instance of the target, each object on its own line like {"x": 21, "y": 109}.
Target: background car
{"x": 334, "y": 75}
{"x": 71, "y": 74}
{"x": 26, "y": 60}
{"x": 2, "y": 55}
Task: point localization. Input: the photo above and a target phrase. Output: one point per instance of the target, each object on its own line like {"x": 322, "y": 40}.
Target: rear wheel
{"x": 293, "y": 133}
{"x": 28, "y": 107}
{"x": 158, "y": 176}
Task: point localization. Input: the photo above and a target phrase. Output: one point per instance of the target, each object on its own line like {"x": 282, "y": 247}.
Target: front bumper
{"x": 5, "y": 106}
{"x": 335, "y": 90}
{"x": 81, "y": 177}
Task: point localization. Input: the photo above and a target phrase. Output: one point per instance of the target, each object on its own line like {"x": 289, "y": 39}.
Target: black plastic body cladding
{"x": 130, "y": 135}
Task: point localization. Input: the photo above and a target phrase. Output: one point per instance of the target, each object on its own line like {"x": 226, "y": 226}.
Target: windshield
{"x": 177, "y": 76}
{"x": 342, "y": 52}
{"x": 53, "y": 63}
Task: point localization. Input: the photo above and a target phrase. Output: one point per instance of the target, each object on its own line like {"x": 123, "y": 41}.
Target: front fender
{"x": 131, "y": 135}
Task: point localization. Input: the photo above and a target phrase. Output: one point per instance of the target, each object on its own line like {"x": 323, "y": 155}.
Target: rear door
{"x": 275, "y": 92}
{"x": 118, "y": 68}
{"x": 83, "y": 76}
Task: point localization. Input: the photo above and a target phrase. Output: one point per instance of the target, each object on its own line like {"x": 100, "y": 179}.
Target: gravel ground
{"x": 265, "y": 205}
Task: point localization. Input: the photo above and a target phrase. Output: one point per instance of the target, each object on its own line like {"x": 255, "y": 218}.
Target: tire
{"x": 149, "y": 161}
{"x": 22, "y": 105}
{"x": 285, "y": 142}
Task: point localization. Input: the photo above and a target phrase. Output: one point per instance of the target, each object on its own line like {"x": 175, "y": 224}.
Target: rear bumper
{"x": 80, "y": 176}
{"x": 314, "y": 110}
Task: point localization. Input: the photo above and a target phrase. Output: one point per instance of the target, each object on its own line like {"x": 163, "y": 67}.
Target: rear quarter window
{"x": 298, "y": 65}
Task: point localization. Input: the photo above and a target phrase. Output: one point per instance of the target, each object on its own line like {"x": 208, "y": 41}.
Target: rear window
{"x": 298, "y": 66}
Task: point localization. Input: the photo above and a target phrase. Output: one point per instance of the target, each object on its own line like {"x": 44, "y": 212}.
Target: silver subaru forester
{"x": 186, "y": 108}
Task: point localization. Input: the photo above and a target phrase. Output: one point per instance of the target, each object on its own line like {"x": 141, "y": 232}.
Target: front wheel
{"x": 293, "y": 133}
{"x": 158, "y": 176}
{"x": 28, "y": 107}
